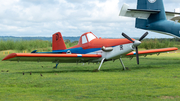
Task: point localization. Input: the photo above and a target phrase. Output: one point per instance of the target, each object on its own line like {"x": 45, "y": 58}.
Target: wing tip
{"x": 154, "y": 51}
{"x": 12, "y": 55}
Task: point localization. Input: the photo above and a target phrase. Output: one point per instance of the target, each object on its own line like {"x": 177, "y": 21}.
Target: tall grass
{"x": 46, "y": 45}
{"x": 31, "y": 45}
{"x": 159, "y": 43}
{"x": 70, "y": 44}
{"x": 24, "y": 45}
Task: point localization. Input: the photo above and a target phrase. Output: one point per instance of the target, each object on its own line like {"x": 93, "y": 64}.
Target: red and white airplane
{"x": 89, "y": 49}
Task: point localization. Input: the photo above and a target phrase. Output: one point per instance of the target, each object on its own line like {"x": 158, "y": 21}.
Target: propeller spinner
{"x": 136, "y": 43}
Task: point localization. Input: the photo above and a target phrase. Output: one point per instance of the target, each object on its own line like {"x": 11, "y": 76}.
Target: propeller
{"x": 127, "y": 37}
{"x": 142, "y": 37}
{"x": 136, "y": 43}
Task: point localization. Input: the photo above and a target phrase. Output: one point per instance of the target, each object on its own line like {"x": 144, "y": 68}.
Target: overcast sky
{"x": 71, "y": 18}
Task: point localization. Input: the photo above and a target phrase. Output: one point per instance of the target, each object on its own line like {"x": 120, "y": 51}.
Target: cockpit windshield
{"x": 90, "y": 37}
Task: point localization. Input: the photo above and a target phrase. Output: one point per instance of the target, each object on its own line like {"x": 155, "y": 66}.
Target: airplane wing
{"x": 42, "y": 57}
{"x": 151, "y": 52}
{"x": 144, "y": 14}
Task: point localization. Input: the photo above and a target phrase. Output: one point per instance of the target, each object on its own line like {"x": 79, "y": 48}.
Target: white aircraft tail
{"x": 149, "y": 11}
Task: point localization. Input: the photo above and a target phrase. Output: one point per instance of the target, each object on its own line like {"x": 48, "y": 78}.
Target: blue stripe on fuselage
{"x": 78, "y": 50}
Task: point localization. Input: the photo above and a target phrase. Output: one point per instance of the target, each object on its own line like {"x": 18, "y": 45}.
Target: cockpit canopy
{"x": 87, "y": 37}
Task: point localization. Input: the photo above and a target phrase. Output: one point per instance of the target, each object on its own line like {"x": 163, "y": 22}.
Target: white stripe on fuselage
{"x": 117, "y": 51}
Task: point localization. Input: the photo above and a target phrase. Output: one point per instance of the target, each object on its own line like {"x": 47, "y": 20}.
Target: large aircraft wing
{"x": 144, "y": 14}
{"x": 41, "y": 57}
{"x": 151, "y": 52}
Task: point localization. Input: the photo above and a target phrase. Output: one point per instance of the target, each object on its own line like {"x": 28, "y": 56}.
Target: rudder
{"x": 58, "y": 42}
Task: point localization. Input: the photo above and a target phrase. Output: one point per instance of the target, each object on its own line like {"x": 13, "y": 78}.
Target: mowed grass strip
{"x": 156, "y": 78}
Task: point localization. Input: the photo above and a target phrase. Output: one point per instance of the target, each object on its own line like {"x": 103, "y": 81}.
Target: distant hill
{"x": 72, "y": 39}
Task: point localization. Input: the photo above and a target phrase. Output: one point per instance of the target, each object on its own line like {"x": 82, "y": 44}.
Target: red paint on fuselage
{"x": 99, "y": 42}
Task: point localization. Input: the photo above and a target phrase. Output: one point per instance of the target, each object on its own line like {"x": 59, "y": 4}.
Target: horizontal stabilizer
{"x": 136, "y": 13}
{"x": 144, "y": 13}
{"x": 34, "y": 51}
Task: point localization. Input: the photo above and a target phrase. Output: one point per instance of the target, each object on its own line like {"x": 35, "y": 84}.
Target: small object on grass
{"x": 23, "y": 73}
{"x": 7, "y": 71}
{"x": 30, "y": 73}
{"x": 2, "y": 71}
{"x": 41, "y": 74}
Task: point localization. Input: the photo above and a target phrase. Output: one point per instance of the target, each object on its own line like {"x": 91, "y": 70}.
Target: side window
{"x": 84, "y": 40}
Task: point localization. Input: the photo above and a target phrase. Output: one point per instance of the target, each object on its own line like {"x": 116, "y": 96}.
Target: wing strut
{"x": 122, "y": 63}
{"x": 101, "y": 63}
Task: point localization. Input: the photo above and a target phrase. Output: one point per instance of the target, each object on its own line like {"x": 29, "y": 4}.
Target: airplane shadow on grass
{"x": 77, "y": 70}
{"x": 150, "y": 65}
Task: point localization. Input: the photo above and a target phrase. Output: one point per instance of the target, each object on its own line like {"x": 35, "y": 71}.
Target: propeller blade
{"x": 127, "y": 37}
{"x": 137, "y": 56}
{"x": 136, "y": 43}
{"x": 142, "y": 37}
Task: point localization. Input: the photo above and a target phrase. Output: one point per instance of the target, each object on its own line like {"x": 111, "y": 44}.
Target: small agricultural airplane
{"x": 150, "y": 15}
{"x": 89, "y": 49}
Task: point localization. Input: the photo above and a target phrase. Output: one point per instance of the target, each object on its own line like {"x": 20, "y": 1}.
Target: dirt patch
{"x": 169, "y": 97}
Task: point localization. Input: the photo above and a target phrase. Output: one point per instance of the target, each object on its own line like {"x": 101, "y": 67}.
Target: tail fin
{"x": 58, "y": 42}
{"x": 150, "y": 5}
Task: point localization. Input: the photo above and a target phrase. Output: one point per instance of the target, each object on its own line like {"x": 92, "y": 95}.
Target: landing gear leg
{"x": 56, "y": 65}
{"x": 101, "y": 64}
{"x": 123, "y": 64}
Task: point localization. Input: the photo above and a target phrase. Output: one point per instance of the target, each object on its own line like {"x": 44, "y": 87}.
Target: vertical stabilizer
{"x": 150, "y": 5}
{"x": 58, "y": 42}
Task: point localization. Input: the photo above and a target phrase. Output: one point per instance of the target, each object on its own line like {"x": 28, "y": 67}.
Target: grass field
{"x": 156, "y": 78}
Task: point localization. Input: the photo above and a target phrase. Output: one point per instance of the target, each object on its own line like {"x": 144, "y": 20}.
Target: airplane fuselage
{"x": 118, "y": 48}
{"x": 165, "y": 27}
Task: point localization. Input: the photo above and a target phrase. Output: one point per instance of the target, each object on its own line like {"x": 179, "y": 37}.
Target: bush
{"x": 158, "y": 43}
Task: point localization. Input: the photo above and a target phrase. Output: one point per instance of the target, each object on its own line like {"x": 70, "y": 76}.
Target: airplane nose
{"x": 136, "y": 43}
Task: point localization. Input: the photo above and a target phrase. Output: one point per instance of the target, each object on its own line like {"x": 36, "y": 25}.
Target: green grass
{"x": 156, "y": 78}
